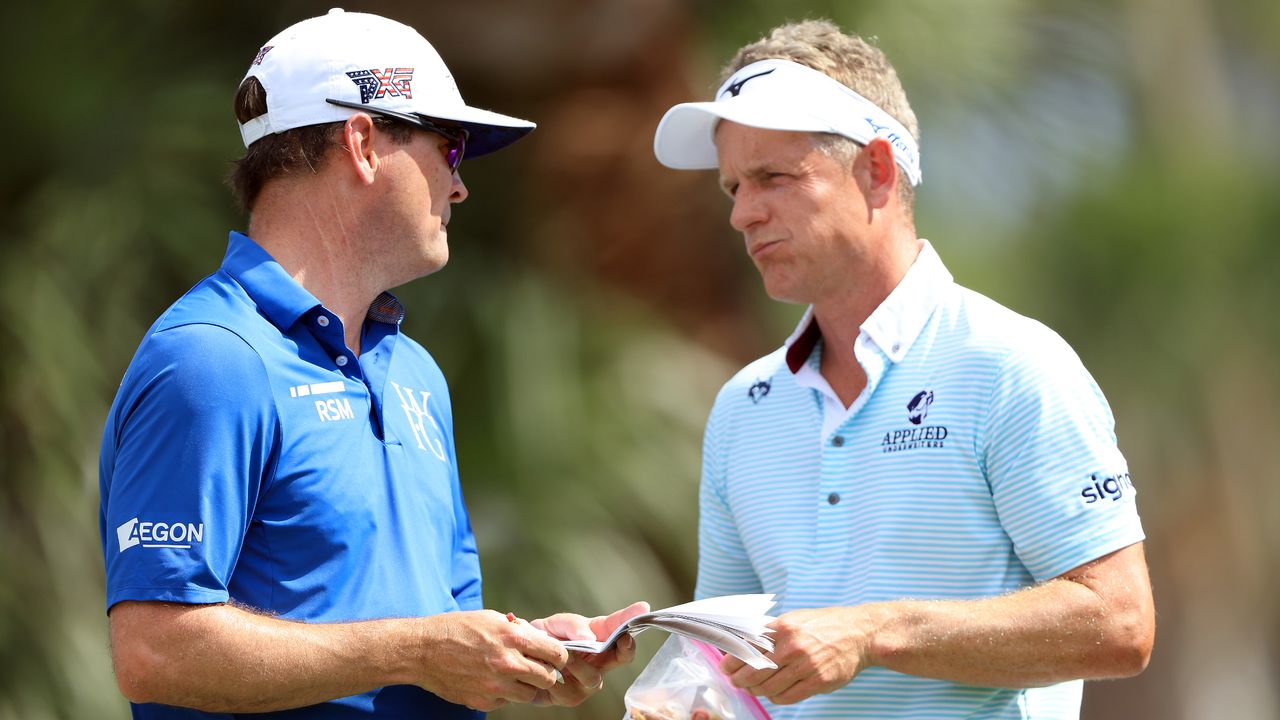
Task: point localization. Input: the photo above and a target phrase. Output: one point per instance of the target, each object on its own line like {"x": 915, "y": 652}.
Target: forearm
{"x": 1060, "y": 630}
{"x": 1096, "y": 621}
{"x": 221, "y": 658}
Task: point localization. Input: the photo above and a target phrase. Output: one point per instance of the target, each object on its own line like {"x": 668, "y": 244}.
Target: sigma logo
{"x": 418, "y": 414}
{"x": 158, "y": 534}
{"x": 1107, "y": 488}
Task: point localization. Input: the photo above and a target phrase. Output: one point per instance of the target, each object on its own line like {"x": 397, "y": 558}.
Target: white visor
{"x": 779, "y": 95}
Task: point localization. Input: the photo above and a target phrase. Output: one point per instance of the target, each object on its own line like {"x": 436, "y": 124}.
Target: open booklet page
{"x": 736, "y": 624}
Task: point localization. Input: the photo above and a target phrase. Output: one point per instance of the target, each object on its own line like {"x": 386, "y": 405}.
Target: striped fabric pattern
{"x": 986, "y": 491}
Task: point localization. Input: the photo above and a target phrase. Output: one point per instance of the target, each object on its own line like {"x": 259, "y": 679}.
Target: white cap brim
{"x": 685, "y": 139}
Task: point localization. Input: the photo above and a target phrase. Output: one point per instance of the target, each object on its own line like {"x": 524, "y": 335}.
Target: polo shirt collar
{"x": 896, "y": 323}
{"x": 279, "y": 296}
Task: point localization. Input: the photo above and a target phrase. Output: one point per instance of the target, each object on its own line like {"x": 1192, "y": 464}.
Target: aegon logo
{"x": 1109, "y": 488}
{"x": 158, "y": 534}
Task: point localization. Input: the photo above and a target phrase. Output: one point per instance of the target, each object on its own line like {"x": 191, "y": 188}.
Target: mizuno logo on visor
{"x": 736, "y": 87}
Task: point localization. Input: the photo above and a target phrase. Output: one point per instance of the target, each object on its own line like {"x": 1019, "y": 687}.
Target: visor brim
{"x": 685, "y": 138}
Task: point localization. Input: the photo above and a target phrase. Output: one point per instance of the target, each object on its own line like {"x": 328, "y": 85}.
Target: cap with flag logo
{"x": 327, "y": 68}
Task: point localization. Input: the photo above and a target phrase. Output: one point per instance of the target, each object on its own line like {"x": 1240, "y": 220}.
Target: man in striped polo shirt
{"x": 929, "y": 481}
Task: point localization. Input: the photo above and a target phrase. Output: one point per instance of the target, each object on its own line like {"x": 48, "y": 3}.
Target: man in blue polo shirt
{"x": 928, "y": 481}
{"x": 282, "y": 523}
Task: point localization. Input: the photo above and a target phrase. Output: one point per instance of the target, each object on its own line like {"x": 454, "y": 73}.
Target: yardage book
{"x": 733, "y": 623}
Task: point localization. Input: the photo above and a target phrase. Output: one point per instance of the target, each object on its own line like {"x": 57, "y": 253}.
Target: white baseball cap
{"x": 327, "y": 68}
{"x": 779, "y": 95}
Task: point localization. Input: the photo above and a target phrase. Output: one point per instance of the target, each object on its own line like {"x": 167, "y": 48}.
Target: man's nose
{"x": 747, "y": 211}
{"x": 458, "y": 191}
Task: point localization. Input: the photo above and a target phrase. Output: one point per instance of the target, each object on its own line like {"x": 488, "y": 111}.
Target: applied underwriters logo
{"x": 919, "y": 435}
{"x": 180, "y": 535}
{"x": 918, "y": 408}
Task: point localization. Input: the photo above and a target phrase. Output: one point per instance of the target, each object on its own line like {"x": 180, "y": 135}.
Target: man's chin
{"x": 424, "y": 266}
{"x": 784, "y": 293}
{"x": 434, "y": 265}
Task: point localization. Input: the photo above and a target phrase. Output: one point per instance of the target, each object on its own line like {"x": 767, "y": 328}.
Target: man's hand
{"x": 584, "y": 673}
{"x": 483, "y": 660}
{"x": 817, "y": 651}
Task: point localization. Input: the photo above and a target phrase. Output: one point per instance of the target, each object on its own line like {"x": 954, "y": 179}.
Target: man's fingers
{"x": 580, "y": 672}
{"x": 749, "y": 678}
{"x": 566, "y": 626}
{"x": 804, "y": 688}
{"x": 730, "y": 665}
{"x": 604, "y": 625}
{"x": 538, "y": 645}
{"x": 537, "y": 673}
{"x": 521, "y": 692}
{"x": 778, "y": 682}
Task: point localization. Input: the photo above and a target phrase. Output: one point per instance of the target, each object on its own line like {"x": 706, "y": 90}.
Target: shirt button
{"x": 341, "y": 360}
{"x": 833, "y": 498}
{"x": 838, "y": 441}
{"x": 323, "y": 321}
{"x": 897, "y": 347}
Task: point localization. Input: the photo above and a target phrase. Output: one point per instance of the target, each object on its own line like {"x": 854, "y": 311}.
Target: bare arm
{"x": 1096, "y": 621}
{"x": 221, "y": 658}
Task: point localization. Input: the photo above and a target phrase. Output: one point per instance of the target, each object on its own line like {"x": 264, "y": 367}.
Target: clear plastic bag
{"x": 684, "y": 682}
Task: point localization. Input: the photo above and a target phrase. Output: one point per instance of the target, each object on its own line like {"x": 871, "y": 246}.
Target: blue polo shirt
{"x": 250, "y": 456}
{"x": 980, "y": 459}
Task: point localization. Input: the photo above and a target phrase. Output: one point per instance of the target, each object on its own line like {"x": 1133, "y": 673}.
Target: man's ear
{"x": 357, "y": 147}
{"x": 878, "y": 172}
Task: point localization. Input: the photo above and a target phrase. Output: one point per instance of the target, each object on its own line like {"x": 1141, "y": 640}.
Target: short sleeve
{"x": 465, "y": 574}
{"x": 723, "y": 565}
{"x": 1060, "y": 484}
{"x": 188, "y": 445}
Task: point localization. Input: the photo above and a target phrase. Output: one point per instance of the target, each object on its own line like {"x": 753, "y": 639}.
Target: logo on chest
{"x": 328, "y": 409}
{"x": 414, "y": 403}
{"x": 759, "y": 390}
{"x": 918, "y": 435}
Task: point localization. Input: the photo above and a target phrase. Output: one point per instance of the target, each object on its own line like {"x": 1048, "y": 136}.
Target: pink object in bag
{"x": 684, "y": 682}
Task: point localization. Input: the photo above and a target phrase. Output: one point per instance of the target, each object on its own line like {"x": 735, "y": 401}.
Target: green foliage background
{"x": 1111, "y": 168}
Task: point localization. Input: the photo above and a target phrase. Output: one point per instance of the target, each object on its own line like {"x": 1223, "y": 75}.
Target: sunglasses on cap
{"x": 456, "y": 136}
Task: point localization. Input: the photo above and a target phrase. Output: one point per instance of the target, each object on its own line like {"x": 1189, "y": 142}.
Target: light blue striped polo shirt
{"x": 981, "y": 458}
